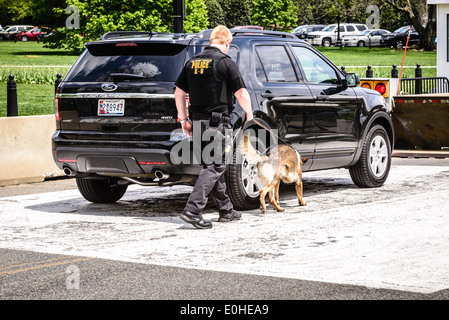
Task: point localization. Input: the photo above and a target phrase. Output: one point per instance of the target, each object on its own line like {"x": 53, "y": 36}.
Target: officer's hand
{"x": 249, "y": 116}
{"x": 187, "y": 128}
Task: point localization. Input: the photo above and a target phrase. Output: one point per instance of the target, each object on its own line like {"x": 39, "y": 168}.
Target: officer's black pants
{"x": 211, "y": 181}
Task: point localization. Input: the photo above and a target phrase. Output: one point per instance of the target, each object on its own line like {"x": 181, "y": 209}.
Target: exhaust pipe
{"x": 161, "y": 175}
{"x": 69, "y": 172}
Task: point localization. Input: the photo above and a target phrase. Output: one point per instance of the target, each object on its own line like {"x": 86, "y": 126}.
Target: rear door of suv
{"x": 281, "y": 92}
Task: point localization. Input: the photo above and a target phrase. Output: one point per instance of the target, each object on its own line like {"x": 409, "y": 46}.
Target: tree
{"x": 237, "y": 12}
{"x": 43, "y": 14}
{"x": 99, "y": 16}
{"x": 215, "y": 13}
{"x": 17, "y": 11}
{"x": 196, "y": 19}
{"x": 274, "y": 14}
{"x": 422, "y": 17}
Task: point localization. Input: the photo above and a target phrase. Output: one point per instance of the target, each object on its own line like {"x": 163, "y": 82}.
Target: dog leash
{"x": 269, "y": 130}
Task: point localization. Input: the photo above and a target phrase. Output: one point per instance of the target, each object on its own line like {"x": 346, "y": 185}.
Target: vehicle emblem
{"x": 108, "y": 86}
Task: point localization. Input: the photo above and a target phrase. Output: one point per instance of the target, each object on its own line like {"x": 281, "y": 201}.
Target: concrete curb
{"x": 25, "y": 149}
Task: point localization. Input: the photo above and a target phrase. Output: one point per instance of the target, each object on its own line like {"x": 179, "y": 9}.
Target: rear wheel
{"x": 373, "y": 167}
{"x": 360, "y": 44}
{"x": 100, "y": 191}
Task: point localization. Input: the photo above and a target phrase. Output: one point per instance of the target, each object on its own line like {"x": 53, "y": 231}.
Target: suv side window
{"x": 274, "y": 65}
{"x": 316, "y": 70}
{"x": 350, "y": 28}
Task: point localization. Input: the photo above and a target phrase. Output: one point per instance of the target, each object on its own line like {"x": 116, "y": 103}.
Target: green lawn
{"x": 32, "y": 53}
{"x": 32, "y": 99}
{"x": 350, "y": 56}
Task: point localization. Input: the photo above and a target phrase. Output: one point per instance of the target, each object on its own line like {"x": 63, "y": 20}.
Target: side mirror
{"x": 352, "y": 79}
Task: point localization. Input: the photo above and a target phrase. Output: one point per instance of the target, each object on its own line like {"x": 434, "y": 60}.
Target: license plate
{"x": 111, "y": 107}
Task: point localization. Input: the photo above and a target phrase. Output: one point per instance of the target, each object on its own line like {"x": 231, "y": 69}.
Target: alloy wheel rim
{"x": 378, "y": 156}
{"x": 249, "y": 176}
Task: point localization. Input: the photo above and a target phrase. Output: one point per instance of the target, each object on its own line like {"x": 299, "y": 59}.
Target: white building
{"x": 442, "y": 7}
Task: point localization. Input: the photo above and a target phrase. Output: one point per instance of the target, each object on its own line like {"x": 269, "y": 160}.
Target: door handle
{"x": 267, "y": 94}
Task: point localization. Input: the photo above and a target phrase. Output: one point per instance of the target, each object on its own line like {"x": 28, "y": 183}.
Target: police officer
{"x": 211, "y": 78}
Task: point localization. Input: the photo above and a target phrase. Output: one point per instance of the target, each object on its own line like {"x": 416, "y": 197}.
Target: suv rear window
{"x": 129, "y": 61}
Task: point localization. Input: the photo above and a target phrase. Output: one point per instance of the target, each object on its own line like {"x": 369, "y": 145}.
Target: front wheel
{"x": 326, "y": 42}
{"x": 373, "y": 167}
{"x": 100, "y": 191}
{"x": 242, "y": 179}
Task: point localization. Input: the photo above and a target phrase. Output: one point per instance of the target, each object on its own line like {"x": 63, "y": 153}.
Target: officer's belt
{"x": 207, "y": 115}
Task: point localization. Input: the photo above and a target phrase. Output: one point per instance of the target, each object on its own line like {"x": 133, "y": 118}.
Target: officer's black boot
{"x": 226, "y": 216}
{"x": 196, "y": 220}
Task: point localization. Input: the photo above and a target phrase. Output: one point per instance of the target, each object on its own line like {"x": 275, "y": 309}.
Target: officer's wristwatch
{"x": 186, "y": 119}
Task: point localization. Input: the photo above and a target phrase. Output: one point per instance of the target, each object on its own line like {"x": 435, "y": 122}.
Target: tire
{"x": 373, "y": 167}
{"x": 326, "y": 42}
{"x": 360, "y": 44}
{"x": 399, "y": 44}
{"x": 24, "y": 38}
{"x": 100, "y": 191}
{"x": 241, "y": 183}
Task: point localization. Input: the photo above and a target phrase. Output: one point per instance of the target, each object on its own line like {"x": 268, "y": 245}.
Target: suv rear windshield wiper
{"x": 127, "y": 76}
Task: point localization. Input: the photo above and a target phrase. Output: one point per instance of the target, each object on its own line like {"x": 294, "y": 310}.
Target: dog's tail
{"x": 301, "y": 160}
{"x": 249, "y": 151}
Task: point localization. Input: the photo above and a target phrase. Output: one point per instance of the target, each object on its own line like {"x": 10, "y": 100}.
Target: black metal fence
{"x": 424, "y": 85}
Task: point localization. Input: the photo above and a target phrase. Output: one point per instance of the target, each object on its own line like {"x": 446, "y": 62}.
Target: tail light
{"x": 56, "y": 106}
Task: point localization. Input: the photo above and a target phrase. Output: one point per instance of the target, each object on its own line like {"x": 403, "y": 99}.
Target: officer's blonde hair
{"x": 220, "y": 35}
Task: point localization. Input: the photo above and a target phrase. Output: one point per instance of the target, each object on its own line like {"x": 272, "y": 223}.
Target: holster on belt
{"x": 215, "y": 119}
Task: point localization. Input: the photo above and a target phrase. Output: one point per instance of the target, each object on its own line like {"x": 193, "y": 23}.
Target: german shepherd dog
{"x": 281, "y": 163}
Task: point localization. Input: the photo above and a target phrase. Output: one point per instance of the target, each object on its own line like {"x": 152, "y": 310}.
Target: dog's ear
{"x": 304, "y": 160}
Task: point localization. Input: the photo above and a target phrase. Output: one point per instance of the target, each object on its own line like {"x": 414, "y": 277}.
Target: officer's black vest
{"x": 208, "y": 90}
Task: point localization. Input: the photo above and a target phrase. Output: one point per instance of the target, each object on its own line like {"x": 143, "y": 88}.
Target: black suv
{"x": 117, "y": 120}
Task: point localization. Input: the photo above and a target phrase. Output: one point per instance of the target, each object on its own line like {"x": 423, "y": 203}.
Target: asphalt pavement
{"x": 348, "y": 243}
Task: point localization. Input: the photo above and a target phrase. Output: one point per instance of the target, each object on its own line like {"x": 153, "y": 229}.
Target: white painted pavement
{"x": 394, "y": 237}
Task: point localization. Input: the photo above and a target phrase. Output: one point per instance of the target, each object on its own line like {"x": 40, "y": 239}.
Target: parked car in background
{"x": 11, "y": 32}
{"x": 365, "y": 38}
{"x": 304, "y": 31}
{"x": 398, "y": 38}
{"x": 299, "y": 28}
{"x": 33, "y": 34}
{"x": 329, "y": 35}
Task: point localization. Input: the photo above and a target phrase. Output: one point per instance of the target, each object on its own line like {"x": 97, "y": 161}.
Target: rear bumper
{"x": 119, "y": 161}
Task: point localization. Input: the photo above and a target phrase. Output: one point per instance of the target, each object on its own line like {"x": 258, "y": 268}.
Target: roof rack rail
{"x": 243, "y": 32}
{"x": 118, "y": 34}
